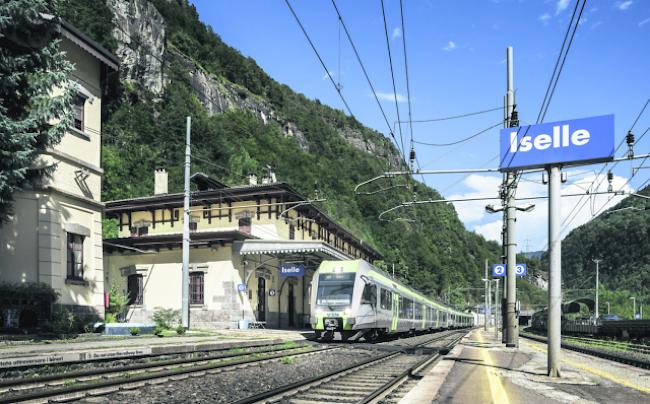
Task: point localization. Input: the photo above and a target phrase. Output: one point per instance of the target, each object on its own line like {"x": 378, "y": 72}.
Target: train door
{"x": 292, "y": 306}
{"x": 395, "y": 312}
{"x": 261, "y": 299}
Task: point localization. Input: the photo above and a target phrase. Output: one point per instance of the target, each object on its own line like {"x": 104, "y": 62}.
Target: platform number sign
{"x": 498, "y": 270}
{"x": 520, "y": 270}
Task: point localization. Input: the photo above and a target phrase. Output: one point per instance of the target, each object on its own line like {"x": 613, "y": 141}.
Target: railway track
{"x": 101, "y": 381}
{"x": 630, "y": 354}
{"x": 365, "y": 382}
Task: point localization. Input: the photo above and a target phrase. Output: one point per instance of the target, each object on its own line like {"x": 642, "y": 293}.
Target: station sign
{"x": 499, "y": 270}
{"x": 584, "y": 140}
{"x": 292, "y": 270}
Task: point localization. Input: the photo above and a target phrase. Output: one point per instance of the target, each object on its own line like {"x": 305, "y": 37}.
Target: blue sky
{"x": 456, "y": 54}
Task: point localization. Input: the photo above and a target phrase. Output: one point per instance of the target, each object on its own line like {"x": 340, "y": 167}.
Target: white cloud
{"x": 328, "y": 74}
{"x": 397, "y": 33}
{"x": 533, "y": 225}
{"x": 561, "y": 5}
{"x": 644, "y": 22}
{"x": 391, "y": 97}
{"x": 544, "y": 18}
{"x": 451, "y": 45}
{"x": 597, "y": 24}
{"x": 624, "y": 5}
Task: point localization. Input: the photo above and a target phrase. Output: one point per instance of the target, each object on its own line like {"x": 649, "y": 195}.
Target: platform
{"x": 481, "y": 370}
{"x": 101, "y": 348}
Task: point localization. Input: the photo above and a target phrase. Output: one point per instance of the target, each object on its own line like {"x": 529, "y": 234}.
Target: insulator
{"x": 412, "y": 155}
{"x": 514, "y": 119}
{"x": 629, "y": 138}
{"x": 610, "y": 178}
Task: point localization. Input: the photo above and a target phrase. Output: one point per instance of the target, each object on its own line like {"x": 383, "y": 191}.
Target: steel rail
{"x": 137, "y": 366}
{"x": 639, "y": 363}
{"x": 86, "y": 387}
{"x": 348, "y": 369}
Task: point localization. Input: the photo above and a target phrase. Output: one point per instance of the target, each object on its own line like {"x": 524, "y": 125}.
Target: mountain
{"x": 172, "y": 66}
{"x": 620, "y": 239}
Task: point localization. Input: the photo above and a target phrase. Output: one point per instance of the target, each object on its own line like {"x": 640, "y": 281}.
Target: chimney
{"x": 160, "y": 182}
{"x": 252, "y": 179}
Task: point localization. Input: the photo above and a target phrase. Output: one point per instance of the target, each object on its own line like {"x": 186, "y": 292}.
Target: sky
{"x": 456, "y": 64}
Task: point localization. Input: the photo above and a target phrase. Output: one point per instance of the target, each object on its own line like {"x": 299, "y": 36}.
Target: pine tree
{"x": 35, "y": 94}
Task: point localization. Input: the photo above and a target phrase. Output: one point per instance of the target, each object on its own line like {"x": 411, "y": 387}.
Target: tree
{"x": 33, "y": 116}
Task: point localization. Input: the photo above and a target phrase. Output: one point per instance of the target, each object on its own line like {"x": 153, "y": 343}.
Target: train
{"x": 622, "y": 329}
{"x": 354, "y": 299}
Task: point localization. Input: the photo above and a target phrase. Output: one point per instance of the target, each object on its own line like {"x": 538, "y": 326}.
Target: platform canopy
{"x": 317, "y": 249}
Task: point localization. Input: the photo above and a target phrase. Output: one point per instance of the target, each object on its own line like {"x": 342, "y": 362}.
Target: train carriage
{"x": 353, "y": 299}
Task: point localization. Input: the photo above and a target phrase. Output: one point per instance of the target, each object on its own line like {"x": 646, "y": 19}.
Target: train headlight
{"x": 347, "y": 312}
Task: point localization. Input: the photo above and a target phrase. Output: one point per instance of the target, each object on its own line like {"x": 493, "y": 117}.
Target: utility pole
{"x": 607, "y": 303}
{"x": 555, "y": 272}
{"x": 512, "y": 330}
{"x": 597, "y": 261}
{"x": 489, "y": 295}
{"x": 185, "y": 306}
{"x": 633, "y": 307}
{"x": 485, "y": 308}
{"x": 497, "y": 309}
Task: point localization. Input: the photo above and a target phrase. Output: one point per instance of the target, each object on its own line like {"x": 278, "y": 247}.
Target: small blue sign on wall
{"x": 292, "y": 270}
{"x": 498, "y": 270}
{"x": 577, "y": 140}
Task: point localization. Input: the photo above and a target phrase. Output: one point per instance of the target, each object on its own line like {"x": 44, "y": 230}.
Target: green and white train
{"x": 353, "y": 299}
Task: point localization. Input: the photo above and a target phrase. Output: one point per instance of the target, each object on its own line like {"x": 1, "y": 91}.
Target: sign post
{"x": 553, "y": 145}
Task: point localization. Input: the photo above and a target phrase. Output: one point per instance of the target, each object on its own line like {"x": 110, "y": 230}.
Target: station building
{"x": 55, "y": 233}
{"x": 241, "y": 239}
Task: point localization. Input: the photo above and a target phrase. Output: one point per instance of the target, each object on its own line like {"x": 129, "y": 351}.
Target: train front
{"x": 332, "y": 299}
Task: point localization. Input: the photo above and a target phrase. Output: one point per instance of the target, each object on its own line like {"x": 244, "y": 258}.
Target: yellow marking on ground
{"x": 498, "y": 392}
{"x": 598, "y": 372}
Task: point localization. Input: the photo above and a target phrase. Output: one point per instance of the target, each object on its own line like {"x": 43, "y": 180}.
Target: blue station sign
{"x": 292, "y": 270}
{"x": 502, "y": 269}
{"x": 577, "y": 140}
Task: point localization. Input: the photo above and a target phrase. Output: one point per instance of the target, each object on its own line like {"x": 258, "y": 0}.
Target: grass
{"x": 288, "y": 360}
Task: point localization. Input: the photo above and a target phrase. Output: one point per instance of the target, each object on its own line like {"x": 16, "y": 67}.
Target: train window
{"x": 369, "y": 295}
{"x": 335, "y": 289}
{"x": 386, "y": 303}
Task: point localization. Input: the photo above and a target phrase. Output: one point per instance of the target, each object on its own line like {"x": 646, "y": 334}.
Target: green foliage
{"x": 117, "y": 301}
{"x": 288, "y": 360}
{"x": 134, "y": 331}
{"x": 158, "y": 330}
{"x": 27, "y": 292}
{"x": 166, "y": 318}
{"x": 93, "y": 17}
{"x": 109, "y": 228}
{"x": 110, "y": 318}
{"x": 620, "y": 239}
{"x": 31, "y": 119}
{"x": 180, "y": 330}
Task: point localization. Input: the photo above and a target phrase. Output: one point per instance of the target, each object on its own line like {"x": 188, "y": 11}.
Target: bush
{"x": 134, "y": 331}
{"x": 166, "y": 318}
{"x": 158, "y": 330}
{"x": 117, "y": 302}
{"x": 110, "y": 318}
{"x": 180, "y": 330}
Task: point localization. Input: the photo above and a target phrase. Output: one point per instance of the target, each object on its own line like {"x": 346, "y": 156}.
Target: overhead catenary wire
{"x": 392, "y": 75}
{"x": 320, "y": 59}
{"x": 365, "y": 72}
{"x": 451, "y": 117}
{"x": 406, "y": 71}
{"x": 460, "y": 140}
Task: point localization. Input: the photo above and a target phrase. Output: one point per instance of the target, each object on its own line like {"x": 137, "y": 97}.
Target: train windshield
{"x": 335, "y": 289}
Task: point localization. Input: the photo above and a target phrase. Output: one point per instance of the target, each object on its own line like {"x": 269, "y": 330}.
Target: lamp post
{"x": 607, "y": 303}
{"x": 597, "y": 261}
{"x": 633, "y": 307}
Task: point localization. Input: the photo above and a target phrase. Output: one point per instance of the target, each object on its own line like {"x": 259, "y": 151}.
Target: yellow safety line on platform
{"x": 499, "y": 394}
{"x": 597, "y": 372}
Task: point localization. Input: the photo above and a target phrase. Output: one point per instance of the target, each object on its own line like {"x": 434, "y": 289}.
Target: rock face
{"x": 144, "y": 53}
{"x": 140, "y": 34}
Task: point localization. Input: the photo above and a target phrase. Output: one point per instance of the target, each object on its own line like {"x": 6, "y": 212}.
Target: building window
{"x": 292, "y": 232}
{"x": 78, "y": 112}
{"x": 135, "y": 288}
{"x": 137, "y": 231}
{"x": 196, "y": 288}
{"x": 193, "y": 226}
{"x": 75, "y": 256}
{"x": 245, "y": 225}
